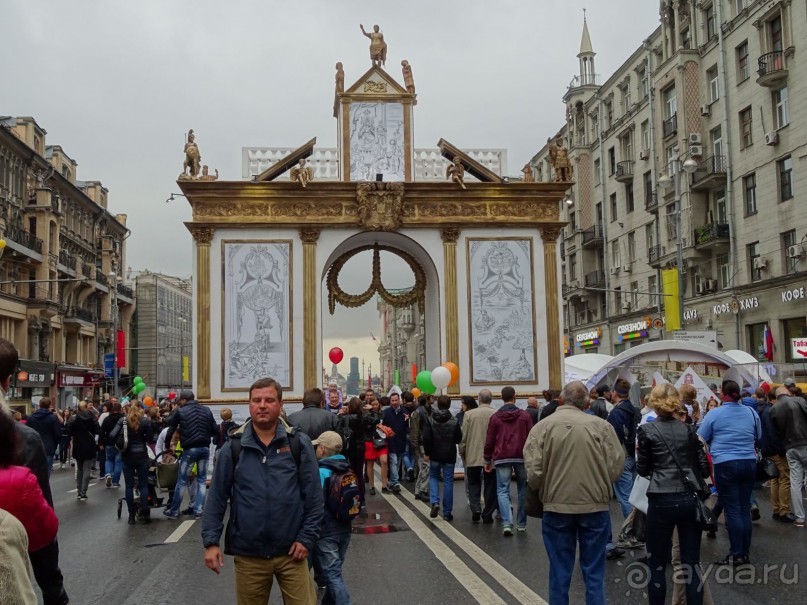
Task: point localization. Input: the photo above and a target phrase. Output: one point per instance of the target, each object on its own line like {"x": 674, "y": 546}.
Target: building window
{"x": 652, "y": 289}
{"x": 615, "y": 260}
{"x": 647, "y": 178}
{"x": 709, "y": 19}
{"x": 618, "y": 299}
{"x": 670, "y": 221}
{"x": 750, "y": 194}
{"x": 650, "y": 235}
{"x": 723, "y": 270}
{"x": 755, "y": 271}
{"x": 714, "y": 84}
{"x": 572, "y": 267}
{"x": 788, "y": 241}
{"x": 793, "y": 328}
{"x": 643, "y": 89}
{"x": 612, "y": 161}
{"x": 781, "y": 107}
{"x": 597, "y": 175}
{"x": 686, "y": 38}
{"x": 573, "y": 221}
{"x": 645, "y": 132}
{"x": 629, "y": 197}
{"x": 775, "y": 34}
{"x": 739, "y": 6}
{"x": 746, "y": 130}
{"x": 756, "y": 339}
{"x": 743, "y": 66}
{"x": 634, "y": 295}
{"x": 631, "y": 247}
{"x": 785, "y": 169}
{"x": 670, "y": 102}
{"x": 613, "y": 207}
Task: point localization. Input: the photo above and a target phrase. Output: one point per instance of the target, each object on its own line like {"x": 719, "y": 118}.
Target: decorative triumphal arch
{"x": 482, "y": 248}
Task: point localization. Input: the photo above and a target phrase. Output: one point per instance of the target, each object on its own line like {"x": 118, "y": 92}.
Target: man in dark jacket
{"x": 334, "y": 537}
{"x": 397, "y": 419}
{"x": 312, "y": 419}
{"x": 47, "y": 424}
{"x": 625, "y": 418}
{"x": 273, "y": 484}
{"x": 440, "y": 438}
{"x": 771, "y": 446}
{"x": 31, "y": 453}
{"x": 552, "y": 403}
{"x": 789, "y": 416}
{"x": 601, "y": 403}
{"x": 504, "y": 449}
{"x": 114, "y": 462}
{"x": 197, "y": 429}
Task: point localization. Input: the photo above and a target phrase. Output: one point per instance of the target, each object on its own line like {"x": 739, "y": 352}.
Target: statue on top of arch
{"x": 193, "y": 159}
{"x": 559, "y": 158}
{"x": 378, "y": 47}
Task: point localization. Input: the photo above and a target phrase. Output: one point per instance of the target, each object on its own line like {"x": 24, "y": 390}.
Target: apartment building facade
{"x": 705, "y": 101}
{"x": 61, "y": 302}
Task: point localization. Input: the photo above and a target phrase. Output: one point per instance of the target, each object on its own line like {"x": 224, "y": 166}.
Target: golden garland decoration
{"x": 416, "y": 295}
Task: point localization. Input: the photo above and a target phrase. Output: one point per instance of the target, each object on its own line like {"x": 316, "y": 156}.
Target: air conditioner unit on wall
{"x": 644, "y": 154}
{"x": 772, "y": 138}
{"x": 706, "y": 110}
{"x": 760, "y": 263}
{"x": 795, "y": 251}
{"x": 696, "y": 150}
{"x": 628, "y": 268}
{"x": 694, "y": 138}
{"x": 614, "y": 270}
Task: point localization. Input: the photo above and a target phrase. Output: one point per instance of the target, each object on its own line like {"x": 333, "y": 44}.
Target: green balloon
{"x": 139, "y": 388}
{"x": 138, "y": 380}
{"x": 424, "y": 382}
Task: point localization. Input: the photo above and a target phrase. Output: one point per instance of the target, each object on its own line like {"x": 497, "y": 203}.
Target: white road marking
{"x": 507, "y": 580}
{"x": 179, "y": 532}
{"x": 480, "y": 591}
{"x": 73, "y": 491}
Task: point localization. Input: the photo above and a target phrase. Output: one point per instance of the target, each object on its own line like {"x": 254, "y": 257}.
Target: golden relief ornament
{"x": 375, "y": 87}
{"x": 450, "y": 235}
{"x": 451, "y": 209}
{"x": 406, "y": 299}
{"x": 379, "y": 205}
{"x": 206, "y": 176}
{"x": 536, "y": 210}
{"x": 202, "y": 235}
{"x": 309, "y": 235}
{"x": 550, "y": 233}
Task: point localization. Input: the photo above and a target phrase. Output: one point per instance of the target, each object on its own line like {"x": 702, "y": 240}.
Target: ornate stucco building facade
{"x": 713, "y": 84}
{"x": 402, "y": 343}
{"x": 63, "y": 247}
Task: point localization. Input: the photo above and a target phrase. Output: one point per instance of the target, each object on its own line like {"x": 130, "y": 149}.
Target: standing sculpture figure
{"x": 559, "y": 156}
{"x": 193, "y": 159}
{"x": 528, "y": 176}
{"x": 302, "y": 173}
{"x": 409, "y": 81}
{"x": 378, "y": 48}
{"x": 340, "y": 78}
{"x": 456, "y": 172}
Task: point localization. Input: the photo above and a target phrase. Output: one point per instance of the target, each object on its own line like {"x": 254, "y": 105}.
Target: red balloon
{"x": 172, "y": 395}
{"x": 336, "y": 355}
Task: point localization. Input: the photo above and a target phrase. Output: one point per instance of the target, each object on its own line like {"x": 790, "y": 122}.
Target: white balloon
{"x": 441, "y": 377}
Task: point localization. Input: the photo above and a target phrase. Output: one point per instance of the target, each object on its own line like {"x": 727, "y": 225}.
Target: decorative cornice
{"x": 550, "y": 233}
{"x": 202, "y": 235}
{"x": 450, "y": 235}
{"x": 309, "y": 235}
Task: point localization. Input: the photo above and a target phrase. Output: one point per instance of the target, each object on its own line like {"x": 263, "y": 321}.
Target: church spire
{"x": 585, "y": 42}
{"x": 586, "y": 56}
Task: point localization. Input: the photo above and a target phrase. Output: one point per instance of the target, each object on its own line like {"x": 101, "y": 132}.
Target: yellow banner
{"x": 186, "y": 375}
{"x": 672, "y": 312}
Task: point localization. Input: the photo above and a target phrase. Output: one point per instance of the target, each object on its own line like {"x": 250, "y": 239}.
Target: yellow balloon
{"x": 2, "y": 244}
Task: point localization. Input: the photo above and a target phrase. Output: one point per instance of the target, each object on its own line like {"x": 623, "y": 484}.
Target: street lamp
{"x": 113, "y": 284}
{"x": 676, "y": 167}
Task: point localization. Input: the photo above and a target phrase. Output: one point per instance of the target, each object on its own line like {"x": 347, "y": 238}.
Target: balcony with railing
{"x": 585, "y": 80}
{"x": 125, "y": 291}
{"x": 670, "y": 126}
{"x": 595, "y": 279}
{"x": 624, "y": 172}
{"x": 86, "y": 270}
{"x": 593, "y": 237}
{"x": 73, "y": 315}
{"x": 42, "y": 296}
{"x": 651, "y": 202}
{"x": 772, "y": 69}
{"x": 24, "y": 238}
{"x": 655, "y": 254}
{"x": 101, "y": 278}
{"x": 711, "y": 235}
{"x": 67, "y": 260}
{"x": 572, "y": 289}
{"x": 710, "y": 174}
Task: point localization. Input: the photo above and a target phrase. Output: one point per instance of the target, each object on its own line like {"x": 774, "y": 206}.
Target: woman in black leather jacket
{"x": 136, "y": 459}
{"x": 671, "y": 504}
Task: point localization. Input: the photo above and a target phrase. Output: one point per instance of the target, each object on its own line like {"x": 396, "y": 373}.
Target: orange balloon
{"x": 148, "y": 401}
{"x": 455, "y": 372}
{"x": 416, "y": 392}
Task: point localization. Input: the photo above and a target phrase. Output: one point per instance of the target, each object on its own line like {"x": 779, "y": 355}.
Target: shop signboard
{"x": 704, "y": 337}
{"x": 798, "y": 348}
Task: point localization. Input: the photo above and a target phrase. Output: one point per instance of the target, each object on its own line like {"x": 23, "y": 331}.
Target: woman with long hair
{"x": 375, "y": 447}
{"x": 672, "y": 457}
{"x": 83, "y": 430}
{"x": 353, "y": 432}
{"x": 64, "y": 441}
{"x": 138, "y": 434}
{"x": 731, "y": 432}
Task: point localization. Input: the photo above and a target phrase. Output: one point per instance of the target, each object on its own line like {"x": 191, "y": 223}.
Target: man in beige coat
{"x": 572, "y": 459}
{"x": 472, "y": 447}
{"x": 15, "y": 569}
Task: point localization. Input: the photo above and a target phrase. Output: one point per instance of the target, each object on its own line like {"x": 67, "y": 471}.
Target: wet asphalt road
{"x": 421, "y": 560}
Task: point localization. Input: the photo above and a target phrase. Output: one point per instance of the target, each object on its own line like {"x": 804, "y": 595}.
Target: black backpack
{"x": 342, "y": 495}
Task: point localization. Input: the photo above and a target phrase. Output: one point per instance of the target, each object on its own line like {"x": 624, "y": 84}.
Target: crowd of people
{"x": 293, "y": 484}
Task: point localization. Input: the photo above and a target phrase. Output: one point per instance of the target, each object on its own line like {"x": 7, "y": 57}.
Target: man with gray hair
{"x": 472, "y": 446}
{"x": 789, "y": 415}
{"x": 572, "y": 459}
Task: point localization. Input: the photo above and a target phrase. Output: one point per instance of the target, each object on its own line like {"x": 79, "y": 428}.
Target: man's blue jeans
{"x": 408, "y": 458}
{"x": 198, "y": 456}
{"x": 442, "y": 471}
{"x": 50, "y": 463}
{"x": 624, "y": 485}
{"x": 734, "y": 480}
{"x": 330, "y": 554}
{"x": 562, "y": 533}
{"x": 114, "y": 463}
{"x": 503, "y": 474}
{"x": 394, "y": 471}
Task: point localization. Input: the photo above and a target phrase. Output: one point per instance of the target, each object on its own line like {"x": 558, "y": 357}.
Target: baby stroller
{"x": 162, "y": 478}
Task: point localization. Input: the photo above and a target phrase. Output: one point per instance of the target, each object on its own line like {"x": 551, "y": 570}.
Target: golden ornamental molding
{"x": 203, "y": 235}
{"x": 336, "y": 295}
{"x": 309, "y": 235}
{"x": 379, "y": 205}
{"x": 450, "y": 235}
{"x": 550, "y": 233}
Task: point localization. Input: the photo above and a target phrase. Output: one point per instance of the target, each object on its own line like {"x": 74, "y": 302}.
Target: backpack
{"x": 122, "y": 440}
{"x": 342, "y": 496}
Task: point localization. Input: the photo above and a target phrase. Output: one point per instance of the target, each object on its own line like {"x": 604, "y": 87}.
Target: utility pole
{"x": 113, "y": 283}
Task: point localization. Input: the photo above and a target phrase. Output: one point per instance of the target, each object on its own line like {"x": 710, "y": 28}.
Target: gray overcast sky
{"x": 118, "y": 83}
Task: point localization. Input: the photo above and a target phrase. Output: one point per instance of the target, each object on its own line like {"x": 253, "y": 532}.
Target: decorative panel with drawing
{"x": 377, "y": 141}
{"x": 501, "y": 311}
{"x": 256, "y": 298}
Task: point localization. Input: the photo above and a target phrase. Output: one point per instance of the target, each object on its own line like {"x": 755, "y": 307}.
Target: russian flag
{"x": 767, "y": 343}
